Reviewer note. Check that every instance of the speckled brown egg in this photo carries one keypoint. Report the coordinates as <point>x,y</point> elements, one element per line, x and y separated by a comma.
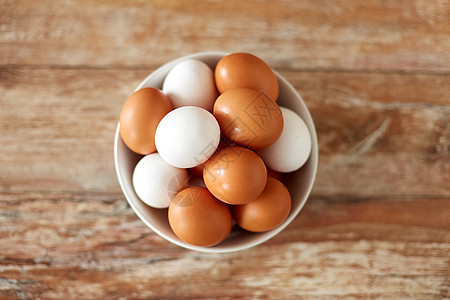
<point>267,211</point>
<point>244,70</point>
<point>235,175</point>
<point>197,218</point>
<point>249,117</point>
<point>140,116</point>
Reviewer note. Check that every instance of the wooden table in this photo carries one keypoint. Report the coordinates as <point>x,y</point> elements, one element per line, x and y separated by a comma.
<point>375,75</point>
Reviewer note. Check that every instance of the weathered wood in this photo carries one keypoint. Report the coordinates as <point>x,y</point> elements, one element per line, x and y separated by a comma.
<point>380,134</point>
<point>375,75</point>
<point>371,35</point>
<point>395,128</point>
<point>90,245</point>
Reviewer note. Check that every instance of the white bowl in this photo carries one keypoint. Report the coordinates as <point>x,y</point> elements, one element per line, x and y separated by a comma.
<point>299,183</point>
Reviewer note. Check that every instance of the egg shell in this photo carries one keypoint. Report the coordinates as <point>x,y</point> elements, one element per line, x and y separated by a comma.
<point>235,175</point>
<point>267,211</point>
<point>187,136</point>
<point>197,218</point>
<point>140,116</point>
<point>248,117</point>
<point>191,83</point>
<point>244,70</point>
<point>290,152</point>
<point>156,182</point>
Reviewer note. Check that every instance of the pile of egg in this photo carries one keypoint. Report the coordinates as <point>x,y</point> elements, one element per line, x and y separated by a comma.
<point>214,144</point>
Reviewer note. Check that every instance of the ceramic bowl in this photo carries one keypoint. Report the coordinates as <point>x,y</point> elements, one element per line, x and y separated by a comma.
<point>299,183</point>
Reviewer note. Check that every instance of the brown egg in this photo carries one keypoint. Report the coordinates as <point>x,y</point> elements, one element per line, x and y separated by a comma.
<point>244,70</point>
<point>197,218</point>
<point>140,116</point>
<point>249,118</point>
<point>235,175</point>
<point>267,211</point>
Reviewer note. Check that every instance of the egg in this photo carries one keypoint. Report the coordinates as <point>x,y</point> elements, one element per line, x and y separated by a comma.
<point>267,211</point>
<point>139,118</point>
<point>187,136</point>
<point>244,70</point>
<point>191,83</point>
<point>235,175</point>
<point>156,182</point>
<point>292,149</point>
<point>248,117</point>
<point>197,218</point>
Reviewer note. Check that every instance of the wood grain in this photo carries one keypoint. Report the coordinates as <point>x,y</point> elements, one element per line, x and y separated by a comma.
<point>371,35</point>
<point>402,140</point>
<point>375,76</point>
<point>94,247</point>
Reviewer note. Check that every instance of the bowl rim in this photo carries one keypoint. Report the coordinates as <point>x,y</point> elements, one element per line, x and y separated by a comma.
<point>266,235</point>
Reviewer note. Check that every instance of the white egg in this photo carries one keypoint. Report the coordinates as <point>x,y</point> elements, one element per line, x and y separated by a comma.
<point>187,136</point>
<point>156,182</point>
<point>191,82</point>
<point>292,149</point>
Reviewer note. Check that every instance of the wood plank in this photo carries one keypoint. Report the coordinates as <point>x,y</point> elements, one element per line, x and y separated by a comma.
<point>377,89</point>
<point>375,75</point>
<point>371,35</point>
<point>389,127</point>
<point>94,247</point>
<point>55,123</point>
<point>378,134</point>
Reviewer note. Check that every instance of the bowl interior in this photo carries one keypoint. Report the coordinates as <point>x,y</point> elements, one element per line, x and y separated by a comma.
<point>299,182</point>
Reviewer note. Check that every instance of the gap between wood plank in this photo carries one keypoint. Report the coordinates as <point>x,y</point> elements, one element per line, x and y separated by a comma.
<point>111,197</point>
<point>301,70</point>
